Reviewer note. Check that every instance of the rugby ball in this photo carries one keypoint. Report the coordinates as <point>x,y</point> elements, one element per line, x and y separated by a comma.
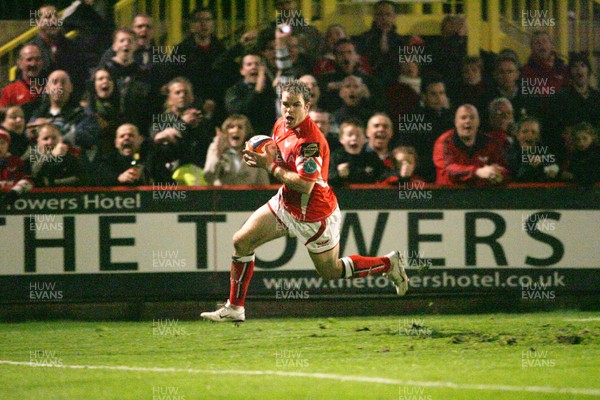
<point>258,143</point>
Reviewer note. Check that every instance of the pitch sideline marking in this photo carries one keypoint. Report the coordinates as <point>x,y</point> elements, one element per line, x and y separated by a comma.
<point>346,378</point>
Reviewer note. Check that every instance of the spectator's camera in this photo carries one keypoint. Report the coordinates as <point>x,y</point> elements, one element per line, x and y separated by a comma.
<point>285,28</point>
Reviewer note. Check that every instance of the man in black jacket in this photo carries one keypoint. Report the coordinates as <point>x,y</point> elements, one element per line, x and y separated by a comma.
<point>201,48</point>
<point>253,95</point>
<point>381,44</point>
<point>76,123</point>
<point>422,127</point>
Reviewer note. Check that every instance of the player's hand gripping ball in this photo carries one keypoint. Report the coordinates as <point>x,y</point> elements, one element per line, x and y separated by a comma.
<point>259,143</point>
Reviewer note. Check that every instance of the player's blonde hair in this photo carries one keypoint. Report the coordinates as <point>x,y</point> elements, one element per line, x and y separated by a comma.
<point>295,87</point>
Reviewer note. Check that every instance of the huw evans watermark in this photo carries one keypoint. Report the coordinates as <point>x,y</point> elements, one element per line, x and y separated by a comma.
<point>537,155</point>
<point>415,259</point>
<point>539,221</point>
<point>290,290</point>
<point>536,87</point>
<point>45,223</point>
<point>47,18</point>
<point>167,393</point>
<point>167,259</point>
<point>414,327</point>
<point>167,327</point>
<point>167,55</point>
<point>45,291</point>
<point>290,358</point>
<point>413,393</point>
<point>414,54</point>
<point>533,358</point>
<point>537,291</point>
<point>414,191</point>
<point>44,358</point>
<point>160,122</point>
<point>413,122</point>
<point>168,192</point>
<point>291,18</point>
<point>537,19</point>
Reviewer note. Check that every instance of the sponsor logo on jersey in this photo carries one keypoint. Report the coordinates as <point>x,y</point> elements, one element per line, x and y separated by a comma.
<point>310,149</point>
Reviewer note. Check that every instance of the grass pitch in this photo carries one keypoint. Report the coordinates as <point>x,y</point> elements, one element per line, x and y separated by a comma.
<point>517,356</point>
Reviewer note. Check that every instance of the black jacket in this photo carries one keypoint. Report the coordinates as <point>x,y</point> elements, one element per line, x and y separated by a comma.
<point>241,98</point>
<point>365,167</point>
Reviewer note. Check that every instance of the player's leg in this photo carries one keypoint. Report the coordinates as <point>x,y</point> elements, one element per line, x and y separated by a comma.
<point>330,266</point>
<point>260,228</point>
<point>327,263</point>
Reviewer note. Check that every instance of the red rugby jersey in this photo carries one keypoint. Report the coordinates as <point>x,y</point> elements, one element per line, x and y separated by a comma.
<point>304,150</point>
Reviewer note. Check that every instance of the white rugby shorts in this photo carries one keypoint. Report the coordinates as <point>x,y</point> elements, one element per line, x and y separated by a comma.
<point>318,237</point>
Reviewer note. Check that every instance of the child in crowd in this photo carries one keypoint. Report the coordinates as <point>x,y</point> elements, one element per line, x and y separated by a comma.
<point>584,166</point>
<point>13,177</point>
<point>52,162</point>
<point>405,164</point>
<point>352,163</point>
<point>12,119</point>
<point>529,159</point>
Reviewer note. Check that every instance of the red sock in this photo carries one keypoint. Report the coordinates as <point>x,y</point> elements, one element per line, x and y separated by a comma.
<point>358,266</point>
<point>242,269</point>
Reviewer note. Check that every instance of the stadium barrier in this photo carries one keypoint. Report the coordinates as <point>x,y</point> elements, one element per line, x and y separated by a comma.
<point>167,243</point>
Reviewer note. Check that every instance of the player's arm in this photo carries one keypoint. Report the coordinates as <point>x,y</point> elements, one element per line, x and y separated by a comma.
<point>292,179</point>
<point>266,161</point>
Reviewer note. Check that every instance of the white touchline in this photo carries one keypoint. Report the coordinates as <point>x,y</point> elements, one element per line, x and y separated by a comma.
<point>346,378</point>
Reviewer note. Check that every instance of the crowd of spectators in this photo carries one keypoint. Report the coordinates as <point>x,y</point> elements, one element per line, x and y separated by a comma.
<point>127,111</point>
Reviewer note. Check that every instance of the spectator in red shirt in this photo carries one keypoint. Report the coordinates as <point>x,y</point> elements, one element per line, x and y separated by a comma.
<point>336,34</point>
<point>544,75</point>
<point>57,51</point>
<point>29,86</point>
<point>462,156</point>
<point>403,95</point>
